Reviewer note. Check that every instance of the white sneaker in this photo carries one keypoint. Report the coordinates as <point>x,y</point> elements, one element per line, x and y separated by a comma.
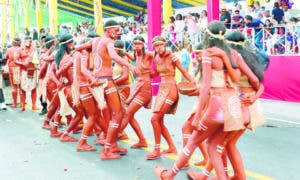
<point>3,106</point>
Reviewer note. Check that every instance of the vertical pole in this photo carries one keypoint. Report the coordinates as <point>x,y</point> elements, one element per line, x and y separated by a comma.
<point>167,10</point>
<point>39,18</point>
<point>26,14</point>
<point>3,22</point>
<point>11,19</point>
<point>98,21</point>
<point>154,29</point>
<point>213,10</point>
<point>53,21</point>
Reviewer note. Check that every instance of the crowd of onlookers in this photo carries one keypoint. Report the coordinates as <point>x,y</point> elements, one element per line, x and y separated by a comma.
<point>273,30</point>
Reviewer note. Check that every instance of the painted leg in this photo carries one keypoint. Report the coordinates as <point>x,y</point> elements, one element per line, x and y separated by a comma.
<point>155,154</point>
<point>111,148</point>
<point>83,146</point>
<point>203,150</point>
<point>87,128</point>
<point>14,91</point>
<point>23,99</point>
<point>215,150</point>
<point>165,132</point>
<point>137,129</point>
<point>53,131</point>
<point>73,124</point>
<point>207,129</point>
<point>33,100</point>
<point>236,158</point>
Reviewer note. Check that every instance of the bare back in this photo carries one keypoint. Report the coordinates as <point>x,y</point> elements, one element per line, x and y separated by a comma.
<point>102,61</point>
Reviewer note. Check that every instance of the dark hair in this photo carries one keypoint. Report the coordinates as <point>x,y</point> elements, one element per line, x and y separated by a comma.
<point>110,23</point>
<point>248,17</point>
<point>199,67</point>
<point>16,42</point>
<point>49,41</point>
<point>140,38</point>
<point>92,34</point>
<point>204,12</point>
<point>217,27</point>
<point>27,38</point>
<point>62,48</point>
<point>178,17</point>
<point>172,19</point>
<point>249,56</point>
<point>276,5</point>
<point>119,44</point>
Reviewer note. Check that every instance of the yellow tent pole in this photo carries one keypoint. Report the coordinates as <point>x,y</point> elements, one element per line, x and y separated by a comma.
<point>53,22</point>
<point>98,22</point>
<point>39,19</point>
<point>26,14</point>
<point>11,19</point>
<point>3,22</point>
<point>167,11</point>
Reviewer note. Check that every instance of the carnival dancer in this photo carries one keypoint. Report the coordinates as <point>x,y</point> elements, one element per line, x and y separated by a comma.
<point>50,81</point>
<point>103,71</point>
<point>249,93</point>
<point>167,98</point>
<point>85,80</point>
<point>215,92</point>
<point>65,64</point>
<point>43,65</point>
<point>91,47</point>
<point>193,90</point>
<point>28,73</point>
<point>121,79</point>
<point>12,55</point>
<point>142,91</point>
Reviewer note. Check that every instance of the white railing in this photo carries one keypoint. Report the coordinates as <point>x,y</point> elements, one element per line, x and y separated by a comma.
<point>277,40</point>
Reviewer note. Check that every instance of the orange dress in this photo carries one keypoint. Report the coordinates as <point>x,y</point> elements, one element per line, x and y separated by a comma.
<point>142,87</point>
<point>168,92</point>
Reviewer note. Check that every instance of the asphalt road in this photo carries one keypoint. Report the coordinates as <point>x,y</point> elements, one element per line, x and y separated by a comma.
<point>27,151</point>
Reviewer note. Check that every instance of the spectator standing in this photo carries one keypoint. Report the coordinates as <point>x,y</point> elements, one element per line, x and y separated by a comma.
<point>35,35</point>
<point>287,14</point>
<point>225,17</point>
<point>239,7</point>
<point>257,25</point>
<point>266,16</point>
<point>258,12</point>
<point>203,20</point>
<point>2,100</point>
<point>171,34</point>
<point>191,24</point>
<point>179,29</point>
<point>277,13</point>
<point>237,20</point>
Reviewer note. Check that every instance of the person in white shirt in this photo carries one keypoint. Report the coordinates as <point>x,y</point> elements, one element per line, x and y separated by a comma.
<point>179,29</point>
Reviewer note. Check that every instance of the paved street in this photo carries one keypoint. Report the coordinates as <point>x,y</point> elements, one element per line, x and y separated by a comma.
<point>27,151</point>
